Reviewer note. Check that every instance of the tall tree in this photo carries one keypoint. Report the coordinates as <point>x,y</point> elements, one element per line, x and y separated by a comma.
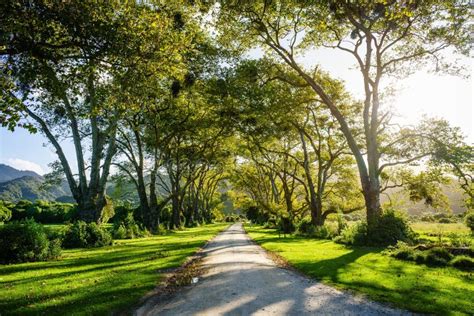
<point>69,65</point>
<point>384,37</point>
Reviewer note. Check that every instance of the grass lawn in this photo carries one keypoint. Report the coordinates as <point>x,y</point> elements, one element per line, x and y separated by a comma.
<point>366,270</point>
<point>97,281</point>
<point>440,232</point>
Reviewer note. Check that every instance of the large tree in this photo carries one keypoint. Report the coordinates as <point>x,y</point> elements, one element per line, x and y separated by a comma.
<point>383,37</point>
<point>66,69</point>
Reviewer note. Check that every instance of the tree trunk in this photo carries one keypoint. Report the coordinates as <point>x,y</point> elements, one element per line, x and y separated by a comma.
<point>175,216</point>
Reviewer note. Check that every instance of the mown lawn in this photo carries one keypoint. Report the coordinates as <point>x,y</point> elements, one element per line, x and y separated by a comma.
<point>366,270</point>
<point>97,281</point>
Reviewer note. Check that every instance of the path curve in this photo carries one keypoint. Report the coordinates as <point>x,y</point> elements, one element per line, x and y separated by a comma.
<point>240,279</point>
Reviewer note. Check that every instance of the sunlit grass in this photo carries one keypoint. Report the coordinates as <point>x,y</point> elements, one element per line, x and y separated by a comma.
<point>440,232</point>
<point>97,281</point>
<point>366,270</point>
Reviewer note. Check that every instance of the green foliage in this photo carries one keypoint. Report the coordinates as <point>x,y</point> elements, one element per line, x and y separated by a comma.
<point>353,234</point>
<point>23,241</point>
<point>285,225</point>
<point>127,228</point>
<point>463,263</point>
<point>256,215</point>
<point>119,232</point>
<point>5,213</point>
<point>437,256</point>
<point>305,227</point>
<point>403,251</point>
<point>81,234</point>
<point>392,227</point>
<point>232,218</point>
<point>469,220</point>
<point>44,211</point>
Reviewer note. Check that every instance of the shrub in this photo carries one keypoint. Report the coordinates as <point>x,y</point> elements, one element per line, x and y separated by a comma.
<point>26,241</point>
<point>44,211</point>
<point>229,219</point>
<point>404,252</point>
<point>459,240</point>
<point>437,256</point>
<point>5,213</point>
<point>391,227</point>
<point>305,227</point>
<point>353,235</point>
<point>119,232</point>
<point>469,220</point>
<point>81,234</point>
<point>462,262</point>
<point>285,225</point>
<point>128,229</point>
<point>324,232</point>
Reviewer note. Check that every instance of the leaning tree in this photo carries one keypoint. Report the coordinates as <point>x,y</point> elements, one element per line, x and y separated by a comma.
<point>384,38</point>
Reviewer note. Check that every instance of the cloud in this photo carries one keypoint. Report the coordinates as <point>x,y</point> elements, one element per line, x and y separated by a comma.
<point>25,165</point>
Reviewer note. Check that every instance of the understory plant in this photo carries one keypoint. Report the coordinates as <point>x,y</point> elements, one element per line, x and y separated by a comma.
<point>24,241</point>
<point>81,234</point>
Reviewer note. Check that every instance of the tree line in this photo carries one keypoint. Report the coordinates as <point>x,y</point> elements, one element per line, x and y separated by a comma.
<point>162,93</point>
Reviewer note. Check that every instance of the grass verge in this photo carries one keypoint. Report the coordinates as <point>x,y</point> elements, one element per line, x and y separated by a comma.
<point>97,281</point>
<point>366,270</point>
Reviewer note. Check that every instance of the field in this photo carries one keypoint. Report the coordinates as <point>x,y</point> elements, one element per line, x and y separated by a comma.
<point>439,231</point>
<point>368,271</point>
<point>97,281</point>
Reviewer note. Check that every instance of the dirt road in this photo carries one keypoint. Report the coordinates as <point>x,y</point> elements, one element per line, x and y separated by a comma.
<point>240,279</point>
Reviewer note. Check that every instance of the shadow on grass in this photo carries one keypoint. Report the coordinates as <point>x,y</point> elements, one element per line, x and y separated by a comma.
<point>95,281</point>
<point>366,270</point>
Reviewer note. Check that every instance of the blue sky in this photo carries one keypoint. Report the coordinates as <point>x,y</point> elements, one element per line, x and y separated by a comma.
<point>441,96</point>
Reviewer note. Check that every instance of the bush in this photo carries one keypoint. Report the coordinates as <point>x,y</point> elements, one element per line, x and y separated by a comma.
<point>229,219</point>
<point>459,240</point>
<point>5,213</point>
<point>44,211</point>
<point>462,262</point>
<point>353,235</point>
<point>26,241</point>
<point>81,234</point>
<point>437,256</point>
<point>404,252</point>
<point>469,220</point>
<point>391,228</point>
<point>285,225</point>
<point>119,232</point>
<point>305,227</point>
<point>128,229</point>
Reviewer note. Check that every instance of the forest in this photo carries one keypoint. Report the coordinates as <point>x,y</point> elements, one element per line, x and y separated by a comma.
<point>170,121</point>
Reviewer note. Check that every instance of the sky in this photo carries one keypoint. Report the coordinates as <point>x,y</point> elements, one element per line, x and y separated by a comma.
<point>423,93</point>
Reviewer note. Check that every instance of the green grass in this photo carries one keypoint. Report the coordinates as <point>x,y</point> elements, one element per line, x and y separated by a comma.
<point>97,281</point>
<point>382,278</point>
<point>440,231</point>
<point>443,228</point>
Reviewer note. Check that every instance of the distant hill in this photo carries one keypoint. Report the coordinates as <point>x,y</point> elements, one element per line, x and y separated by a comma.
<point>27,185</point>
<point>8,173</point>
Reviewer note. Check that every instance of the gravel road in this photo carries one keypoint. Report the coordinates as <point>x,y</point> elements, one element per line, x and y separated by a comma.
<point>240,279</point>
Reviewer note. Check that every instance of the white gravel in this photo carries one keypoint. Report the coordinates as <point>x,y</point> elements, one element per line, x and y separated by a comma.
<point>240,279</point>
